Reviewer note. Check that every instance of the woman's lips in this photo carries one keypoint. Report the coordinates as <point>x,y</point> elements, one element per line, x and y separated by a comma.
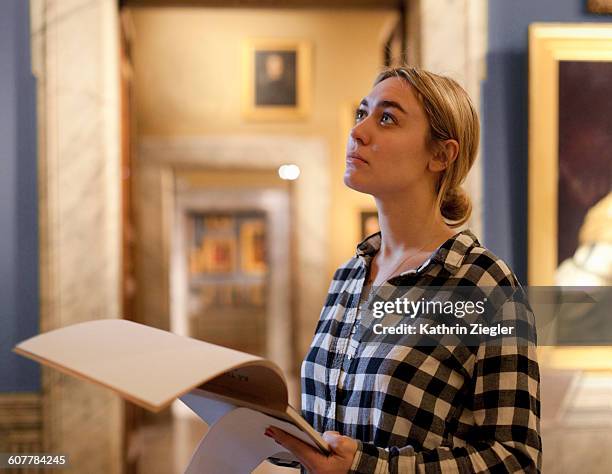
<point>355,158</point>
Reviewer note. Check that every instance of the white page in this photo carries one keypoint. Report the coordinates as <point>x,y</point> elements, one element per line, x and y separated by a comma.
<point>236,444</point>
<point>207,409</point>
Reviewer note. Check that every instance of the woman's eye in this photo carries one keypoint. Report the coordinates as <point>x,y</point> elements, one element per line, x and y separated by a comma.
<point>386,118</point>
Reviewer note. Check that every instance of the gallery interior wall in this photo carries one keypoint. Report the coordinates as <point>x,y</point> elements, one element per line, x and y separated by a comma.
<point>188,75</point>
<point>19,301</point>
<point>505,111</point>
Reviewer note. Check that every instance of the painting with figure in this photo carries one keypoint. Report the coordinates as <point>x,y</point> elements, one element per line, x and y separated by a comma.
<point>585,146</point>
<point>275,78</point>
<point>570,181</point>
<point>570,148</point>
<point>212,245</point>
<point>584,217</point>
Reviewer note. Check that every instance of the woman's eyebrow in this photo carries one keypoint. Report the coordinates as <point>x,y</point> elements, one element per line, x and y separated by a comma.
<point>385,103</point>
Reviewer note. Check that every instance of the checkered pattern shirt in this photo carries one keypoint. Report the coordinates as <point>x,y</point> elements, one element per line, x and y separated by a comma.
<point>425,408</point>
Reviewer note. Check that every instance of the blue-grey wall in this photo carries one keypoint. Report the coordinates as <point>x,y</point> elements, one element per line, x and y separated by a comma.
<point>19,301</point>
<point>504,118</point>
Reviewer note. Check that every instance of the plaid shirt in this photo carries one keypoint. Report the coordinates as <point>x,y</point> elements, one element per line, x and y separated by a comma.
<point>426,408</point>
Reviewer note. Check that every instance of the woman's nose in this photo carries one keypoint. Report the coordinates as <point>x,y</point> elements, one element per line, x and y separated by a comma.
<point>359,133</point>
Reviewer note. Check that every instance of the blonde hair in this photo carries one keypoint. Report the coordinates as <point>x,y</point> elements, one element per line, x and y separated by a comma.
<point>451,115</point>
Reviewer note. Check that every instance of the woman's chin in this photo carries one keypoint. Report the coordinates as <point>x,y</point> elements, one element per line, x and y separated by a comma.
<point>351,181</point>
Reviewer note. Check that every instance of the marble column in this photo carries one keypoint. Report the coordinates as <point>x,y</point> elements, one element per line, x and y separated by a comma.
<point>75,61</point>
<point>453,41</point>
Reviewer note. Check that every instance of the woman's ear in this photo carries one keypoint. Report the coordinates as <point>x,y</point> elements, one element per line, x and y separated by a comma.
<point>445,154</point>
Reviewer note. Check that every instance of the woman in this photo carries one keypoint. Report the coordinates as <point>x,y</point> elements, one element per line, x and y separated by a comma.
<point>416,409</point>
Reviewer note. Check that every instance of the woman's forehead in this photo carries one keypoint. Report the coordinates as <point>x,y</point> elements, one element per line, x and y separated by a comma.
<point>393,89</point>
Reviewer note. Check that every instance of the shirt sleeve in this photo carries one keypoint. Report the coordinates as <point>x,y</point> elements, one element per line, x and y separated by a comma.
<point>505,407</point>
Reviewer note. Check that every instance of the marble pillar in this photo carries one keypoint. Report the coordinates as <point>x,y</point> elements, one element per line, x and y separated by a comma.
<point>75,61</point>
<point>453,41</point>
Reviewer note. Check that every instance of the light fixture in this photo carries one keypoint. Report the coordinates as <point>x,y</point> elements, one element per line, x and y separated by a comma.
<point>289,172</point>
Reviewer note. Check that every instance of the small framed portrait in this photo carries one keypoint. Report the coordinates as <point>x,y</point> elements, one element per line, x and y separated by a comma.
<point>276,79</point>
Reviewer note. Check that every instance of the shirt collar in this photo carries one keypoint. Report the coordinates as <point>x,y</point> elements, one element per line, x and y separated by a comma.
<point>450,254</point>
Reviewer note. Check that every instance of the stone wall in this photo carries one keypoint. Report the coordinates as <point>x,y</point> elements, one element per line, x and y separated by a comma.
<point>75,60</point>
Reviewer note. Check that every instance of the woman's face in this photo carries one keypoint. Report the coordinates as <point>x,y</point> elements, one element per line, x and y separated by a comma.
<point>387,150</point>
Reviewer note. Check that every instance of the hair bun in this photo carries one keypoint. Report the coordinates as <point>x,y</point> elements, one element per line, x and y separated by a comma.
<point>456,206</point>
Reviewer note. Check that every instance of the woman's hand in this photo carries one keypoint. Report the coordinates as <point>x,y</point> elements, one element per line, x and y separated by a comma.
<point>339,461</point>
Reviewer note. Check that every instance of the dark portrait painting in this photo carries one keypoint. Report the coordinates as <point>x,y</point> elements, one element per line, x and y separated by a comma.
<point>585,145</point>
<point>275,78</point>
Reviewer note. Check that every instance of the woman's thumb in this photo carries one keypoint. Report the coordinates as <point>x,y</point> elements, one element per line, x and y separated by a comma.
<point>332,438</point>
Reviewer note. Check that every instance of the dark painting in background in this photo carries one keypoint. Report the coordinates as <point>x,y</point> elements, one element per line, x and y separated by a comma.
<point>276,81</point>
<point>275,78</point>
<point>585,145</point>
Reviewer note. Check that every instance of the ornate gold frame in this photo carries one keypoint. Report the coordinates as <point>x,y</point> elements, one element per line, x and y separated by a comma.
<point>550,43</point>
<point>303,81</point>
<point>599,6</point>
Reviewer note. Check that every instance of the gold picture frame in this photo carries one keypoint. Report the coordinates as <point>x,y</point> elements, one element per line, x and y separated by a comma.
<point>549,45</point>
<point>276,84</point>
<point>600,6</point>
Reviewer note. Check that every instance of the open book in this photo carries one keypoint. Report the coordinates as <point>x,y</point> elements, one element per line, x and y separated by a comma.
<point>237,394</point>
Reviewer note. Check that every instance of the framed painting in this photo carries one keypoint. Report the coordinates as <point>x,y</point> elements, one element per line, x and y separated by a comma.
<point>570,140</point>
<point>212,244</point>
<point>253,246</point>
<point>276,79</point>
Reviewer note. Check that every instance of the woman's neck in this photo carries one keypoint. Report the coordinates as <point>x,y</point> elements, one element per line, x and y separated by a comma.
<point>410,224</point>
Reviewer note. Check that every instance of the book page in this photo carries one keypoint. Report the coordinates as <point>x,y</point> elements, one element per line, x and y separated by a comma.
<point>251,384</point>
<point>145,365</point>
<point>207,409</point>
<point>236,443</point>
<point>211,407</point>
